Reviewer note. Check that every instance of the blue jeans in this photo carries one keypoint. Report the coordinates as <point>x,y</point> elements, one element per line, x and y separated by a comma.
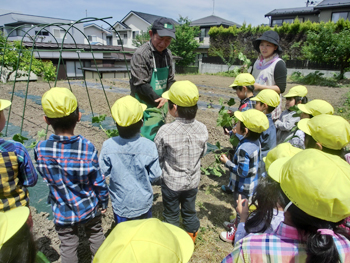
<point>171,203</point>
<point>119,219</point>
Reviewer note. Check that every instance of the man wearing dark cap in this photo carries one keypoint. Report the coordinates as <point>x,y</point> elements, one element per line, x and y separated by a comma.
<point>152,70</point>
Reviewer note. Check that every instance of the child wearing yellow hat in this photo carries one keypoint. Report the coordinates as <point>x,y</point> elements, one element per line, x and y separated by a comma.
<point>17,170</point>
<point>131,162</point>
<point>266,101</point>
<point>69,165</point>
<point>313,191</point>
<point>181,144</point>
<point>146,240</point>
<point>245,162</point>
<point>244,87</point>
<point>16,240</point>
<point>287,121</point>
<point>309,110</point>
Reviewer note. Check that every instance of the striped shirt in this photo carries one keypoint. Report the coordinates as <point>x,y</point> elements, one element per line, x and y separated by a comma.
<point>70,167</point>
<point>282,246</point>
<point>180,146</point>
<point>16,173</point>
<point>247,104</point>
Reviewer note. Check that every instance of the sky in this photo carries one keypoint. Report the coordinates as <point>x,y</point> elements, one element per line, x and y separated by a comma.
<point>249,11</point>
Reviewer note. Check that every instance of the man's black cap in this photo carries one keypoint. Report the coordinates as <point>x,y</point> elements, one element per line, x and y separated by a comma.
<point>165,27</point>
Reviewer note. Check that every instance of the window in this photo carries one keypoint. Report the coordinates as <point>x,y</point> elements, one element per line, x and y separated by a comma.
<point>120,42</point>
<point>58,33</point>
<point>280,22</point>
<point>125,36</point>
<point>109,40</point>
<point>204,33</point>
<point>92,38</point>
<point>73,69</point>
<point>42,33</point>
<point>339,15</point>
<point>135,33</point>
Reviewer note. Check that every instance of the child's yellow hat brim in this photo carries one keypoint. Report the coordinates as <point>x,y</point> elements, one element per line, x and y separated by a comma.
<point>280,151</point>
<point>254,120</point>
<point>268,96</point>
<point>4,104</point>
<point>127,110</point>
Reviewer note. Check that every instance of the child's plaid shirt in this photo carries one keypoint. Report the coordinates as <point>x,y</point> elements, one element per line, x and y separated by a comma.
<point>70,167</point>
<point>16,172</point>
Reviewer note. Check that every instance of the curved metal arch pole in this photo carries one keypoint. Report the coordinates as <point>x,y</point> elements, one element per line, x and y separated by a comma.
<point>93,56</point>
<point>14,82</point>
<point>86,87</point>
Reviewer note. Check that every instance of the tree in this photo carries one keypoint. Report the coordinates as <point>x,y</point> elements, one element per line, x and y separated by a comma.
<point>9,61</point>
<point>185,43</point>
<point>329,46</point>
<point>142,38</point>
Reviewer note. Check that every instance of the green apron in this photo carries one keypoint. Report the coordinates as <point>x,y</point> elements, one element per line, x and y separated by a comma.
<point>159,82</point>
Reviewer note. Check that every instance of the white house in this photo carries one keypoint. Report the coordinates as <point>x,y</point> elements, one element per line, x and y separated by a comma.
<point>131,25</point>
<point>97,35</point>
<point>44,29</point>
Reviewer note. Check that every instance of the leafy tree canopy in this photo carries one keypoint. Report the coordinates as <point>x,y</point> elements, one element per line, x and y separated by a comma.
<point>13,56</point>
<point>185,43</point>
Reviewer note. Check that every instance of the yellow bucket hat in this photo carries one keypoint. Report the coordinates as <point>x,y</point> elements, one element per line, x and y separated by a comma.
<point>316,107</point>
<point>11,221</point>
<point>268,96</point>
<point>183,93</point>
<point>243,79</point>
<point>147,241</point>
<point>127,111</point>
<point>296,91</point>
<point>330,131</point>
<point>253,119</point>
<point>4,104</point>
<point>58,102</point>
<point>316,182</point>
<point>280,151</point>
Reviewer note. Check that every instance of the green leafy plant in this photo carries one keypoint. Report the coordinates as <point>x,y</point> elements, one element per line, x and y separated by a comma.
<point>109,132</point>
<point>157,115</point>
<point>20,138</point>
<point>314,78</point>
<point>215,167</point>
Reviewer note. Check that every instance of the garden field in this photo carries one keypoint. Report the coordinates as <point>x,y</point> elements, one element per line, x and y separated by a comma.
<point>213,206</point>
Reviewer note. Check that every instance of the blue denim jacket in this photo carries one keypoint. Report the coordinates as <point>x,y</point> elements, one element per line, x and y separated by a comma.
<point>132,165</point>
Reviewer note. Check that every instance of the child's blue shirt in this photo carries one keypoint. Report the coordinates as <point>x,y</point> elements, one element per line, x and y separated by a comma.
<point>244,167</point>
<point>132,165</point>
<point>268,137</point>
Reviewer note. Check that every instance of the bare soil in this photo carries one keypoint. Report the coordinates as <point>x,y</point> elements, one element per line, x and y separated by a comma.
<point>213,206</point>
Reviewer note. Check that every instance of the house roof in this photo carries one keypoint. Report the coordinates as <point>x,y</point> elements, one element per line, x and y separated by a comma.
<point>20,19</point>
<point>46,45</point>
<point>293,11</point>
<point>326,4</point>
<point>97,26</point>
<point>148,18</point>
<point>213,21</point>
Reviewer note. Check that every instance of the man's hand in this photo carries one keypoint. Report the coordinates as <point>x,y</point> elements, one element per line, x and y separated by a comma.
<point>161,102</point>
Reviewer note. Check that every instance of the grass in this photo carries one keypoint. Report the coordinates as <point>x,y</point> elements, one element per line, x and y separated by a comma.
<point>344,111</point>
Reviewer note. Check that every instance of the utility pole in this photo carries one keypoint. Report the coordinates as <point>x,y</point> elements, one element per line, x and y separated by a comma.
<point>213,6</point>
<point>85,12</point>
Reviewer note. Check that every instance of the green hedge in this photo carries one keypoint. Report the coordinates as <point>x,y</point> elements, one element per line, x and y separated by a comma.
<point>292,36</point>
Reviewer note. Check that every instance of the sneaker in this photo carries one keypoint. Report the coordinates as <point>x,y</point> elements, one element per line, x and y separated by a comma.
<point>229,225</point>
<point>226,189</point>
<point>228,236</point>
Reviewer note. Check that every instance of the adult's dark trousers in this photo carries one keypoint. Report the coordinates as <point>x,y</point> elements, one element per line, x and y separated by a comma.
<point>172,200</point>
